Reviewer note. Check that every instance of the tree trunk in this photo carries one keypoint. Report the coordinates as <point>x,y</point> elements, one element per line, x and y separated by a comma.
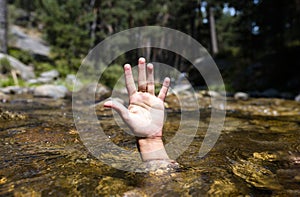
<point>213,33</point>
<point>3,26</point>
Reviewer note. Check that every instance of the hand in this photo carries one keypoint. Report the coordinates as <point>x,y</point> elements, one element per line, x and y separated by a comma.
<point>145,113</point>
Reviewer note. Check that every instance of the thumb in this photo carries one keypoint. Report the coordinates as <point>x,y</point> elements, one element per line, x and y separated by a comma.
<point>121,109</point>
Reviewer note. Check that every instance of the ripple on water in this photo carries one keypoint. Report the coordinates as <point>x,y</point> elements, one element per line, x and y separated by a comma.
<point>43,155</point>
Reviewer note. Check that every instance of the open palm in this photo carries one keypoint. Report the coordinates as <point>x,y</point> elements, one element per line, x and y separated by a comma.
<point>145,113</point>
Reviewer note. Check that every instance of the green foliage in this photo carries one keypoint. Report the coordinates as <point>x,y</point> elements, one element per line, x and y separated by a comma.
<point>9,81</point>
<point>4,82</point>
<point>40,67</point>
<point>72,28</point>
<point>111,75</point>
<point>23,56</point>
<point>5,66</point>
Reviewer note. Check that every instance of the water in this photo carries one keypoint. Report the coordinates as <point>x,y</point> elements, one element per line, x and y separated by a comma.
<point>257,154</point>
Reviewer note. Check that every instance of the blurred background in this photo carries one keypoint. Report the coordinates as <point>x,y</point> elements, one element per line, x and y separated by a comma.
<point>255,43</point>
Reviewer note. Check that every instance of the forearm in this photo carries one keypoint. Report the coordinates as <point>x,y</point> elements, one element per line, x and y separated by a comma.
<point>152,148</point>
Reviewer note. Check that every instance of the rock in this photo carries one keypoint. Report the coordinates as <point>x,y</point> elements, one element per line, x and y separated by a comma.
<point>180,88</point>
<point>297,98</point>
<point>4,98</point>
<point>32,81</point>
<point>29,43</point>
<point>93,92</point>
<point>53,74</point>
<point>14,90</point>
<point>241,96</point>
<point>25,72</point>
<point>44,80</point>
<point>71,81</point>
<point>210,93</point>
<point>52,91</point>
<point>270,93</point>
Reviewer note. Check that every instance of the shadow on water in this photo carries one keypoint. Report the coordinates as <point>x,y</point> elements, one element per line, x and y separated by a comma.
<point>42,155</point>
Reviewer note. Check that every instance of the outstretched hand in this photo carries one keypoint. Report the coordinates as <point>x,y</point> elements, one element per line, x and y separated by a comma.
<point>145,113</point>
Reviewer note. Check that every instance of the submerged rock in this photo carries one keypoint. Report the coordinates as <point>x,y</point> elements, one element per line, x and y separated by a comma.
<point>255,174</point>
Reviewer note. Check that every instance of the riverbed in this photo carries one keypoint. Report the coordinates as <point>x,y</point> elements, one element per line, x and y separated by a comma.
<point>257,153</point>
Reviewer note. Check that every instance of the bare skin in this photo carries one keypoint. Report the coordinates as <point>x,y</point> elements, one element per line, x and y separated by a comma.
<point>145,113</point>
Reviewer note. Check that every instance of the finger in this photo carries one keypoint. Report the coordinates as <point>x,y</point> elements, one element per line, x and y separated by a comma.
<point>121,109</point>
<point>150,79</point>
<point>164,89</point>
<point>142,83</point>
<point>131,89</point>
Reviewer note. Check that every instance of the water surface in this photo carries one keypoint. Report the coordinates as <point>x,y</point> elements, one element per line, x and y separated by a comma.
<point>257,154</point>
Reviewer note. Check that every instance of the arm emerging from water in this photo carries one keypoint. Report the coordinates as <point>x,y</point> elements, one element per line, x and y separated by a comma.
<point>145,113</point>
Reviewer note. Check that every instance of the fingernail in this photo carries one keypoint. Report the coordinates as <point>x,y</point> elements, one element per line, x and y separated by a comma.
<point>150,66</point>
<point>127,66</point>
<point>142,60</point>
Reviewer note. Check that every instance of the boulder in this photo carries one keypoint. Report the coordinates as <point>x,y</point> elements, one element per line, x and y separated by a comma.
<point>30,43</point>
<point>92,92</point>
<point>53,74</point>
<point>15,90</point>
<point>52,91</point>
<point>25,72</point>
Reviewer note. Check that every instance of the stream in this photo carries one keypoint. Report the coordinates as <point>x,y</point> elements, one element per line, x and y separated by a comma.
<point>257,153</point>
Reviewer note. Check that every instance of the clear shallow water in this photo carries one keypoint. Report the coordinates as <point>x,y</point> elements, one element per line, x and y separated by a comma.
<point>257,154</point>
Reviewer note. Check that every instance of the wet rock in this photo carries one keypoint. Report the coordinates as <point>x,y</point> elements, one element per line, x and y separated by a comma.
<point>134,193</point>
<point>241,96</point>
<point>255,174</point>
<point>223,187</point>
<point>297,98</point>
<point>25,72</point>
<point>52,91</point>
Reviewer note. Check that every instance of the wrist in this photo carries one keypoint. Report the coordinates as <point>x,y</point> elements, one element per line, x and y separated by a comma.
<point>152,148</point>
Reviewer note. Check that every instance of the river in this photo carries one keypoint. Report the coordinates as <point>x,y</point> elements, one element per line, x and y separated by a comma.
<point>257,153</point>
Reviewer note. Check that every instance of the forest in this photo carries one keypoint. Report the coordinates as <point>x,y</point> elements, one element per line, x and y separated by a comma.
<point>255,43</point>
